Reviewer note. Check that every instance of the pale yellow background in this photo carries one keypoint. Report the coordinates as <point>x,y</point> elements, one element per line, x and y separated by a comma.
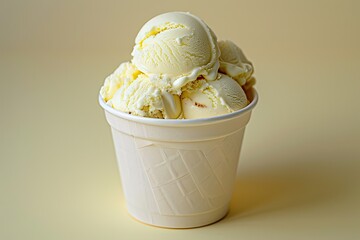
<point>299,168</point>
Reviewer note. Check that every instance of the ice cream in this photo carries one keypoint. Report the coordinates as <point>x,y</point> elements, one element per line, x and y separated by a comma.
<point>140,97</point>
<point>180,70</point>
<point>212,98</point>
<point>176,48</point>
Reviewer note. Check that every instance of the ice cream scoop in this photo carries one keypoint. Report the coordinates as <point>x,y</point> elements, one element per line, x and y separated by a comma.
<point>126,72</point>
<point>175,48</point>
<point>204,98</point>
<point>234,63</point>
<point>141,97</point>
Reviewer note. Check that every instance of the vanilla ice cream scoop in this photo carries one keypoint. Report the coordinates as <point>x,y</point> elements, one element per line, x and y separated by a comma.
<point>176,48</point>
<point>203,98</point>
<point>141,97</point>
<point>126,72</point>
<point>234,63</point>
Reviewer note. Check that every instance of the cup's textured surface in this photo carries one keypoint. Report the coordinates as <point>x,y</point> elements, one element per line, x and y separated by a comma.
<point>178,175</point>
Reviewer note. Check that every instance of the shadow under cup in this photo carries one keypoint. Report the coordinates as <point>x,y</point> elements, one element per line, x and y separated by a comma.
<point>178,173</point>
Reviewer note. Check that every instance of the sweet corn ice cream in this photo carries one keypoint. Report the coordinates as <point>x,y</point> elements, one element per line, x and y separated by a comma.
<point>180,70</point>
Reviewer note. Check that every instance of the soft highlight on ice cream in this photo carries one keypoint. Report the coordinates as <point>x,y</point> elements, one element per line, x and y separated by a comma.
<point>180,71</point>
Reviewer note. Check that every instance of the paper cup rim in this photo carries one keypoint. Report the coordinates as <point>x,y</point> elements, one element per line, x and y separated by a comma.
<point>180,122</point>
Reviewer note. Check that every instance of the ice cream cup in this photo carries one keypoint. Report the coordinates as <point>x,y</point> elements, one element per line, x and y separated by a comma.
<point>178,173</point>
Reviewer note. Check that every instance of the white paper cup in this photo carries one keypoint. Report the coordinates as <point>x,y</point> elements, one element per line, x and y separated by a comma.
<point>178,173</point>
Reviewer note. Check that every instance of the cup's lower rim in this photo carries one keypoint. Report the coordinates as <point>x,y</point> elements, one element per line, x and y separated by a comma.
<point>180,222</point>
<point>180,122</point>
